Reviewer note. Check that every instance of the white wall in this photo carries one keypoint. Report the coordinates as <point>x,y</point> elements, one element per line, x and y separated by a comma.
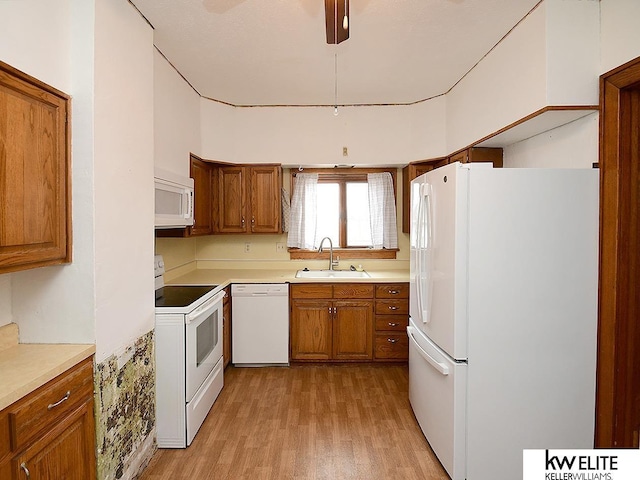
<point>56,304</point>
<point>5,300</point>
<point>123,176</point>
<point>573,51</point>
<point>36,38</point>
<point>550,58</point>
<point>574,145</point>
<point>218,127</point>
<point>389,135</point>
<point>505,86</point>
<point>176,118</point>
<point>620,35</point>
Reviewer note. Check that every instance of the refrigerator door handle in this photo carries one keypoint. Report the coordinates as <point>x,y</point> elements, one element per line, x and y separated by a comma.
<point>441,367</point>
<point>426,263</point>
<point>419,248</point>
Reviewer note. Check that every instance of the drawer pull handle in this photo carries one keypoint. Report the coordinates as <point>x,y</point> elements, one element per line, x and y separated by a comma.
<point>392,307</point>
<point>391,324</point>
<point>392,340</point>
<point>394,292</point>
<point>24,468</point>
<point>63,399</point>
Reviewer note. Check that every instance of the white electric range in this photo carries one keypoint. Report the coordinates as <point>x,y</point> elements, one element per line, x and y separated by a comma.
<point>189,365</point>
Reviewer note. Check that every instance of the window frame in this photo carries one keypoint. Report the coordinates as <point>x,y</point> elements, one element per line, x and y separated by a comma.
<point>342,176</point>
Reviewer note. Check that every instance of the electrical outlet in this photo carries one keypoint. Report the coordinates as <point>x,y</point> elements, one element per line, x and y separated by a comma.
<point>280,247</point>
<point>345,152</point>
<point>247,247</point>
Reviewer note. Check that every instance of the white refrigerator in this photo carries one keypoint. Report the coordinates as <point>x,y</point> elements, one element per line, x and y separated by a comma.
<point>503,314</point>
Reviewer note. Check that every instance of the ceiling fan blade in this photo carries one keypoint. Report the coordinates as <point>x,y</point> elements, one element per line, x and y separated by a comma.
<point>331,22</point>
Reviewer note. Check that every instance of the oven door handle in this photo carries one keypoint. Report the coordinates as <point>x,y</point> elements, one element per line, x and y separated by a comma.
<point>209,304</point>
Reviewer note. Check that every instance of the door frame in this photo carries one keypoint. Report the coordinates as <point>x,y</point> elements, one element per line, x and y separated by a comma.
<point>618,349</point>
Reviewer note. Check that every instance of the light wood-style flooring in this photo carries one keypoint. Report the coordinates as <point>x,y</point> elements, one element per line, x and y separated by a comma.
<point>306,422</point>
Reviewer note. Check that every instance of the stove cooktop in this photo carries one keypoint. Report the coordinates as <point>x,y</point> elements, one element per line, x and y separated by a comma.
<point>182,295</point>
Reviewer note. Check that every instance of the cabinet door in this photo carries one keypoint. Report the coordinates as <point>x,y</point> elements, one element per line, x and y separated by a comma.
<point>232,200</point>
<point>352,330</point>
<point>66,452</point>
<point>311,329</point>
<point>35,192</point>
<point>484,154</point>
<point>265,186</point>
<point>462,157</point>
<point>202,218</point>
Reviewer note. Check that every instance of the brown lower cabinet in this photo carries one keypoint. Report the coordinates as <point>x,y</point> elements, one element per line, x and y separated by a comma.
<point>392,318</point>
<point>226,327</point>
<point>331,322</point>
<point>50,433</point>
<point>340,322</point>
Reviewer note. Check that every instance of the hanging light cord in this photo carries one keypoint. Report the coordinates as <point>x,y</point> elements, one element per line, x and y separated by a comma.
<point>335,58</point>
<point>335,63</point>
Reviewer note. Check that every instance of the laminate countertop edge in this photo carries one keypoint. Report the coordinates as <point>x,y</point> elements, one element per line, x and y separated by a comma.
<point>224,277</point>
<point>25,367</point>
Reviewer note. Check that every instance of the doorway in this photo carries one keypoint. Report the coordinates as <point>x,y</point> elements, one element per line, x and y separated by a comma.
<point>618,374</point>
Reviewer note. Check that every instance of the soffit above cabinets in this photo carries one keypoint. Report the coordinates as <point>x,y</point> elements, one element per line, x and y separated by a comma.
<point>274,52</point>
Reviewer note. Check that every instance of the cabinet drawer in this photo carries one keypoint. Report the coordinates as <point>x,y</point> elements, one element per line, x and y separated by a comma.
<point>392,307</point>
<point>352,290</point>
<point>50,403</point>
<point>392,290</point>
<point>393,323</point>
<point>311,290</point>
<point>392,346</point>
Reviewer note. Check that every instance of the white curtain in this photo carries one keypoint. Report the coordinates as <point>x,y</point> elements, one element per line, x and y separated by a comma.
<point>302,224</point>
<point>382,210</point>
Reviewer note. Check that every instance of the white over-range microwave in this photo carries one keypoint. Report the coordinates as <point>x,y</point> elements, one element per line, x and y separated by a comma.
<point>173,200</point>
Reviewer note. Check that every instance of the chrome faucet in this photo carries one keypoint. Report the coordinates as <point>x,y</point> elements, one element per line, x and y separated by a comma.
<point>332,264</point>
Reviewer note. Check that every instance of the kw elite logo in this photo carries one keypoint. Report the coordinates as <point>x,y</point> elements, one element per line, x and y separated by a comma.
<point>588,467</point>
<point>580,464</point>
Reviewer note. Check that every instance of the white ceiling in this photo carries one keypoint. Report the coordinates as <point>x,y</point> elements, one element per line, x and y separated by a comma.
<point>274,52</point>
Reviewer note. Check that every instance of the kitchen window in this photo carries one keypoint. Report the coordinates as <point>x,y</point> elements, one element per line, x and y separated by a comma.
<point>356,209</point>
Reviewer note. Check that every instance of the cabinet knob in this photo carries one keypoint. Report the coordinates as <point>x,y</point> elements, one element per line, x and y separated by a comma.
<point>24,468</point>
<point>393,292</point>
<point>392,340</point>
<point>391,324</point>
<point>392,307</point>
<point>243,220</point>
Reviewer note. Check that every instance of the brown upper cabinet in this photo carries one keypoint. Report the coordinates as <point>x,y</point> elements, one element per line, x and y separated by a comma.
<point>410,172</point>
<point>202,174</point>
<point>35,173</point>
<point>413,170</point>
<point>248,199</point>
<point>232,198</point>
<point>478,154</point>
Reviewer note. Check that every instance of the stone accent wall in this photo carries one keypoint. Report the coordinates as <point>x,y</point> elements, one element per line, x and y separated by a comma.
<point>125,410</point>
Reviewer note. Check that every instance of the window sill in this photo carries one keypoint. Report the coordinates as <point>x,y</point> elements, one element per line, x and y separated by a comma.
<point>343,253</point>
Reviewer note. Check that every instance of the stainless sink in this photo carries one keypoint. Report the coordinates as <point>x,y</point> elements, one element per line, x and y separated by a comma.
<point>332,274</point>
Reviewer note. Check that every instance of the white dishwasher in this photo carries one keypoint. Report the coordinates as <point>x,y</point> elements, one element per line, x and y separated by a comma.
<point>260,324</point>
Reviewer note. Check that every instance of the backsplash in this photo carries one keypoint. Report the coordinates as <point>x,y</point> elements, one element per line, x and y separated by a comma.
<point>125,410</point>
